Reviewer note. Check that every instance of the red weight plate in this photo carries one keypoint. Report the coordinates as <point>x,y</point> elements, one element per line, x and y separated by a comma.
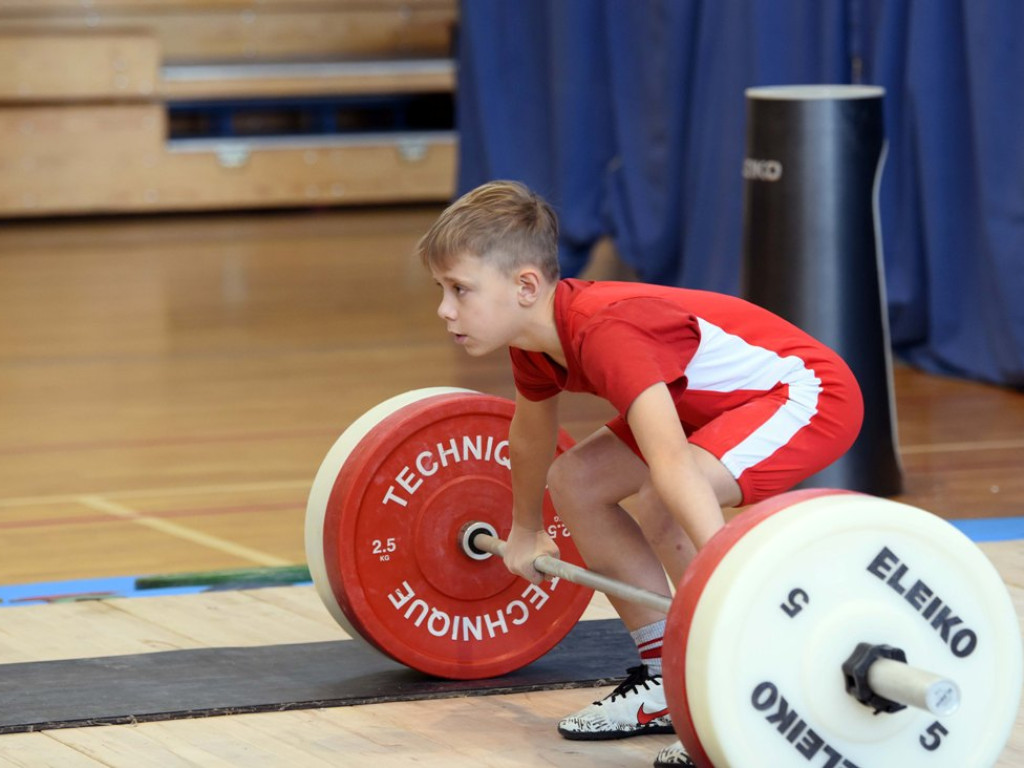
<point>323,485</point>
<point>392,552</point>
<point>688,595</point>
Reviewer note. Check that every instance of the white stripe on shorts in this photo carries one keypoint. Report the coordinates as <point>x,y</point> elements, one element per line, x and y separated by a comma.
<point>720,352</point>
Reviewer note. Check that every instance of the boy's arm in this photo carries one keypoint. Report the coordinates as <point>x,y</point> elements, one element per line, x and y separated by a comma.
<point>532,436</point>
<point>681,485</point>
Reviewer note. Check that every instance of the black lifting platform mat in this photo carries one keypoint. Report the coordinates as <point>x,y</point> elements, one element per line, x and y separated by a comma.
<point>173,685</point>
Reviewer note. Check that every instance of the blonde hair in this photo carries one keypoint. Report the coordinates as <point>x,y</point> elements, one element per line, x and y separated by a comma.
<point>501,221</point>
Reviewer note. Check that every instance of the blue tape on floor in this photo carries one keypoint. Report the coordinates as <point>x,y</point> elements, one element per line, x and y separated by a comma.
<point>125,586</point>
<point>81,589</point>
<point>992,528</point>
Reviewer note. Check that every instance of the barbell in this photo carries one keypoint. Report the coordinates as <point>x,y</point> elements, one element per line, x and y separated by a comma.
<point>819,627</point>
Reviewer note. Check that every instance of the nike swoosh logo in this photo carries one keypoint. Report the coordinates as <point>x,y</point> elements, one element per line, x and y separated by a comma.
<point>644,718</point>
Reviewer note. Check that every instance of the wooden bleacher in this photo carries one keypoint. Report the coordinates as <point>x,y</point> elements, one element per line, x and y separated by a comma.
<point>112,106</point>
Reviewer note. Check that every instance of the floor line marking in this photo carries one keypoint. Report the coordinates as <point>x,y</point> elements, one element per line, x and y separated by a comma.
<point>981,445</point>
<point>158,442</point>
<point>196,490</point>
<point>181,532</point>
<point>164,514</point>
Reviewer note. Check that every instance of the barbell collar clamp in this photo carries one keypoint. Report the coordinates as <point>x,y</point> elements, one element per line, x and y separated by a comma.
<point>879,677</point>
<point>467,538</point>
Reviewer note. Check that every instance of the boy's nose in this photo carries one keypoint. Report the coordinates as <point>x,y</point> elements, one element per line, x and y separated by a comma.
<point>444,310</point>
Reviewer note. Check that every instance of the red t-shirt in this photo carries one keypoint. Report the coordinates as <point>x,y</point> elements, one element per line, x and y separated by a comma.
<point>714,351</point>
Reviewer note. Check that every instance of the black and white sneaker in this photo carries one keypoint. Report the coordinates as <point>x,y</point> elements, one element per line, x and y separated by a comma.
<point>674,756</point>
<point>636,707</point>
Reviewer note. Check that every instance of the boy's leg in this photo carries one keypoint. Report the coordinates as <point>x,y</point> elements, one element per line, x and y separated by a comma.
<point>602,491</point>
<point>587,484</point>
<point>636,546</point>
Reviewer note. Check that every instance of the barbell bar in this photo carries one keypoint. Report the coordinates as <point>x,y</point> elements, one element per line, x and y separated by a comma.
<point>478,537</point>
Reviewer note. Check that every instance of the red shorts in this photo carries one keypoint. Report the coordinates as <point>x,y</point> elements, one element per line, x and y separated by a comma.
<point>771,443</point>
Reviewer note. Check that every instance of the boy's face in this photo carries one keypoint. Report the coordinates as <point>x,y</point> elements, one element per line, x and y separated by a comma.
<point>479,305</point>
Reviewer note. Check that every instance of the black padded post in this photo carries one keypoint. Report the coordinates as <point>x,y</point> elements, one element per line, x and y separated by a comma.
<point>812,250</point>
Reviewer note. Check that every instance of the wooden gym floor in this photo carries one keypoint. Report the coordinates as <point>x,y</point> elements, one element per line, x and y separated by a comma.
<point>168,387</point>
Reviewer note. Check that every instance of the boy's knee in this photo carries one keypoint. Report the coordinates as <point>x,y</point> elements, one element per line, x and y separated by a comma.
<point>569,480</point>
<point>562,473</point>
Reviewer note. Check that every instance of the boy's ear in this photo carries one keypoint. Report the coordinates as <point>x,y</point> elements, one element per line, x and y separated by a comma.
<point>529,284</point>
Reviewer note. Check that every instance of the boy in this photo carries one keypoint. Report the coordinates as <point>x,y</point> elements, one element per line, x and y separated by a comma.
<point>720,402</point>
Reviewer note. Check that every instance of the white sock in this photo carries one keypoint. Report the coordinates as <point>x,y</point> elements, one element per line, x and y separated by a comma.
<point>648,641</point>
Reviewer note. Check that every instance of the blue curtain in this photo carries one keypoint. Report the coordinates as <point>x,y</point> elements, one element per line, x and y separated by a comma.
<point>952,197</point>
<point>629,115</point>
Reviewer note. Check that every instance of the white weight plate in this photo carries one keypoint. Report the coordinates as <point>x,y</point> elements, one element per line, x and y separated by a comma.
<point>323,484</point>
<point>766,688</point>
